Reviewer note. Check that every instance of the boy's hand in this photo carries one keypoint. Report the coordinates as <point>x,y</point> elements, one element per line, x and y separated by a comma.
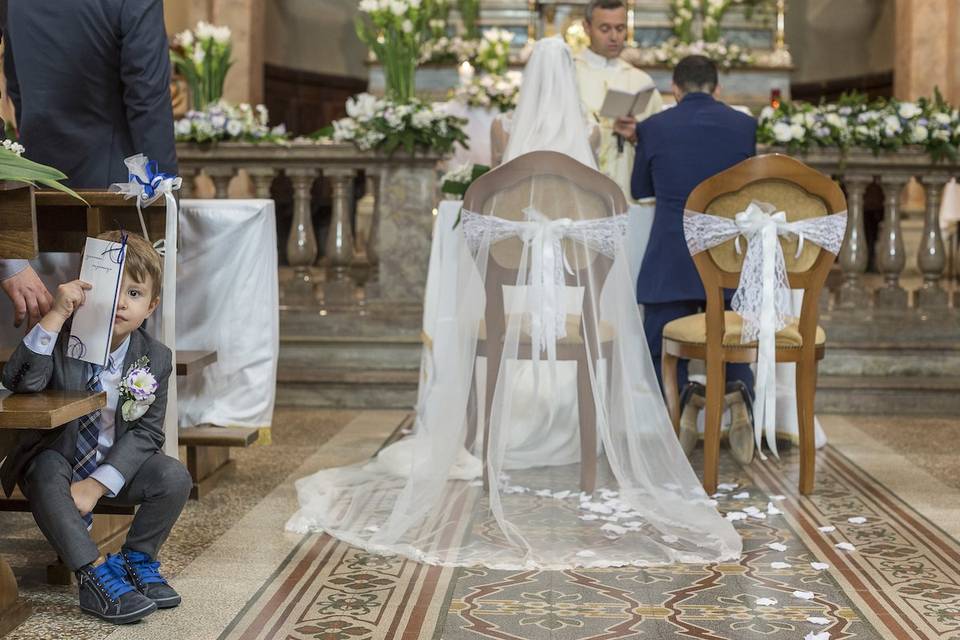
<point>86,493</point>
<point>70,296</point>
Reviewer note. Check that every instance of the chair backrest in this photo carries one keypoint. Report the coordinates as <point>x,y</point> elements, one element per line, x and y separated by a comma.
<point>790,186</point>
<point>559,187</point>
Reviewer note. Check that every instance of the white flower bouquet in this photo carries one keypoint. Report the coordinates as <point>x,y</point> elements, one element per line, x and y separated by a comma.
<point>385,125</point>
<point>202,56</point>
<point>137,390</point>
<point>493,51</point>
<point>492,91</point>
<point>456,181</point>
<point>221,121</point>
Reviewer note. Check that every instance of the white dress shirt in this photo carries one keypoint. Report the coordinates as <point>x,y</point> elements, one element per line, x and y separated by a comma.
<point>42,342</point>
<point>10,268</point>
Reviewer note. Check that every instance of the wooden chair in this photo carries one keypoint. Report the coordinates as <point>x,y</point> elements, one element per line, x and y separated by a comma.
<point>505,192</point>
<point>714,337</point>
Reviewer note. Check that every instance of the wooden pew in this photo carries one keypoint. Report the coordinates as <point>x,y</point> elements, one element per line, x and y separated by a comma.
<point>46,410</point>
<point>208,453</point>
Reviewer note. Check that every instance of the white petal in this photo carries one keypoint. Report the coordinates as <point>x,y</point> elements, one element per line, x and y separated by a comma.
<point>857,520</point>
<point>823,635</point>
<point>743,495</point>
<point>846,546</point>
<point>759,516</point>
<point>736,515</point>
<point>751,510</point>
<point>727,486</point>
<point>670,539</point>
<point>561,495</point>
<point>719,495</point>
<point>818,620</point>
<point>772,510</point>
<point>614,529</point>
<point>586,553</point>
<point>589,516</point>
<point>827,529</point>
<point>372,528</point>
<point>819,566</point>
<point>766,602</point>
<point>804,595</point>
<point>776,546</point>
<point>778,498</point>
<point>780,565</point>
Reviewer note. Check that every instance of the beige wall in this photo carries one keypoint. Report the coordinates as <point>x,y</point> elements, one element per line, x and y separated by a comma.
<point>314,35</point>
<point>832,39</point>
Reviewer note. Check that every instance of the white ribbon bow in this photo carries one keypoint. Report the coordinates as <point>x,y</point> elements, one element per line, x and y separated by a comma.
<point>146,184</point>
<point>543,238</point>
<point>763,297</point>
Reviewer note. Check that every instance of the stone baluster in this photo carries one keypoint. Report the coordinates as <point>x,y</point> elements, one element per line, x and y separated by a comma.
<point>373,238</point>
<point>221,177</point>
<point>891,256</point>
<point>262,178</point>
<point>932,256</point>
<point>187,175</point>
<point>854,254</point>
<point>302,242</point>
<point>339,291</point>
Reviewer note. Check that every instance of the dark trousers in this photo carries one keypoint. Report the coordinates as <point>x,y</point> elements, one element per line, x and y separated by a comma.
<point>657,315</point>
<point>161,487</point>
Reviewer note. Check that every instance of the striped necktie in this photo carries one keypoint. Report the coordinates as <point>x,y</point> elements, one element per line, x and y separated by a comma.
<point>85,459</point>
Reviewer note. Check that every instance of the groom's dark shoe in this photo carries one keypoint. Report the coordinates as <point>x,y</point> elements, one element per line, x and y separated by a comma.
<point>144,573</point>
<point>106,593</point>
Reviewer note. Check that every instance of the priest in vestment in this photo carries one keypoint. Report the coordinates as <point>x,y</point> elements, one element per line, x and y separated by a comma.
<point>600,68</point>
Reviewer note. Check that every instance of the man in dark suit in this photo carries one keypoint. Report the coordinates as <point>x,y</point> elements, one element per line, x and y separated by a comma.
<point>677,149</point>
<point>90,81</point>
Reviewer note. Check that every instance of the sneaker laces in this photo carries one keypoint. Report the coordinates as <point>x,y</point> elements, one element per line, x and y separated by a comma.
<point>147,570</point>
<point>112,576</point>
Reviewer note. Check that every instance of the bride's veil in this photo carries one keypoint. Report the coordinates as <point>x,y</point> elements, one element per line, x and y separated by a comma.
<point>549,115</point>
<point>537,270</point>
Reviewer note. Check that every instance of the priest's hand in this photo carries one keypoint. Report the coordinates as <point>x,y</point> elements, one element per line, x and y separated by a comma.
<point>29,295</point>
<point>626,127</point>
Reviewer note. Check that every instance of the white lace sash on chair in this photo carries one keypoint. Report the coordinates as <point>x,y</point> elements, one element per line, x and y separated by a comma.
<point>763,294</point>
<point>543,238</point>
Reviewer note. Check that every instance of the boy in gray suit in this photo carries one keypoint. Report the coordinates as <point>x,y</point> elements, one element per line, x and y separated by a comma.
<point>114,454</point>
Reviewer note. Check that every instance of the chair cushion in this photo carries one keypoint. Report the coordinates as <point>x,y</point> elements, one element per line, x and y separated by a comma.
<point>572,324</point>
<point>693,330</point>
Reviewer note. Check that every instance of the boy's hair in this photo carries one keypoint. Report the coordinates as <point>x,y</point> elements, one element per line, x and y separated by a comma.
<point>142,260</point>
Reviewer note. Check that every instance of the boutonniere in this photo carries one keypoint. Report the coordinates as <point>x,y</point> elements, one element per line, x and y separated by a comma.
<point>137,389</point>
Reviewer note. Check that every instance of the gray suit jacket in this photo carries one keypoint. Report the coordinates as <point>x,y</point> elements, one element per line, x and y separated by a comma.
<point>134,442</point>
<point>90,80</point>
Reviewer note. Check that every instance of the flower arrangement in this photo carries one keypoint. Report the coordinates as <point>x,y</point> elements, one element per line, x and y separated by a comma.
<point>395,31</point>
<point>493,51</point>
<point>16,168</point>
<point>385,125</point>
<point>672,50</point>
<point>491,90</point>
<point>221,121</point>
<point>443,49</point>
<point>202,56</point>
<point>855,121</point>
<point>684,15</point>
<point>137,390</point>
<point>456,181</point>
<point>469,14</point>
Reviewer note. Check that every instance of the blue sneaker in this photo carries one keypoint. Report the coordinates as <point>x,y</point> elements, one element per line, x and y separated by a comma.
<point>106,593</point>
<point>144,574</point>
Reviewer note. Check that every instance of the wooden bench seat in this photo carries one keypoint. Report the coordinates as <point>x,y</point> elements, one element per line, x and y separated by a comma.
<point>189,361</point>
<point>208,453</point>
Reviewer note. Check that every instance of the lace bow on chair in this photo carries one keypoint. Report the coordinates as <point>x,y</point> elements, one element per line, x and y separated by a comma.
<point>543,240</point>
<point>763,297</point>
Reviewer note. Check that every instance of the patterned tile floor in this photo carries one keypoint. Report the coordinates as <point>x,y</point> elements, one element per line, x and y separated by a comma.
<point>902,580</point>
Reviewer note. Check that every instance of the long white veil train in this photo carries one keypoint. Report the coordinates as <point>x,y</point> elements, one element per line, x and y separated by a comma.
<point>530,231</point>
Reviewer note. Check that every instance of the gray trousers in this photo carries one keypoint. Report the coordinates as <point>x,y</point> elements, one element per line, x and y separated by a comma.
<point>161,487</point>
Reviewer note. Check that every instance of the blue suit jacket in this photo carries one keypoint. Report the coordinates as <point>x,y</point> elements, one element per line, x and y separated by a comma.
<point>90,80</point>
<point>678,149</point>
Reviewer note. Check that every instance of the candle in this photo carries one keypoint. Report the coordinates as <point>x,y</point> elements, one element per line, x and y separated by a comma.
<point>466,72</point>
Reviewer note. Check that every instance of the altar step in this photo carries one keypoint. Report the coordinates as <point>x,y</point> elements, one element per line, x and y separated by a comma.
<point>888,395</point>
<point>348,389</point>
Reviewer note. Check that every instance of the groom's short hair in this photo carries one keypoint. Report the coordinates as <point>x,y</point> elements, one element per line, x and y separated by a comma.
<point>696,74</point>
<point>602,4</point>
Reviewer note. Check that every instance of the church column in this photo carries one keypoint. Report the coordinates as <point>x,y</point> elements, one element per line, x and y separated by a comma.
<point>927,44</point>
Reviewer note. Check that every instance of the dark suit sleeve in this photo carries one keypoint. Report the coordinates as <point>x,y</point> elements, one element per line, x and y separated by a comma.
<point>10,74</point>
<point>641,184</point>
<point>144,437</point>
<point>751,127</point>
<point>26,371</point>
<point>145,72</point>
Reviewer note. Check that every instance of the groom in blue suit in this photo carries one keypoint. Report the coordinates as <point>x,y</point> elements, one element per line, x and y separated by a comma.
<point>677,149</point>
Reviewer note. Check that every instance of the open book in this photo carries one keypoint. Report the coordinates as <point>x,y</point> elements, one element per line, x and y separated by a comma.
<point>617,103</point>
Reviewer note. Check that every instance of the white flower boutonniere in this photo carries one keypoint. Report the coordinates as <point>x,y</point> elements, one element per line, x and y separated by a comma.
<point>137,389</point>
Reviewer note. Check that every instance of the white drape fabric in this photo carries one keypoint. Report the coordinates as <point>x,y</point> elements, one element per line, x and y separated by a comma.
<point>763,297</point>
<point>549,115</point>
<point>648,507</point>
<point>228,302</point>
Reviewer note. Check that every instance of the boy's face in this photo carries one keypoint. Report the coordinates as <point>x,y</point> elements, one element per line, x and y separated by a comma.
<point>134,305</point>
